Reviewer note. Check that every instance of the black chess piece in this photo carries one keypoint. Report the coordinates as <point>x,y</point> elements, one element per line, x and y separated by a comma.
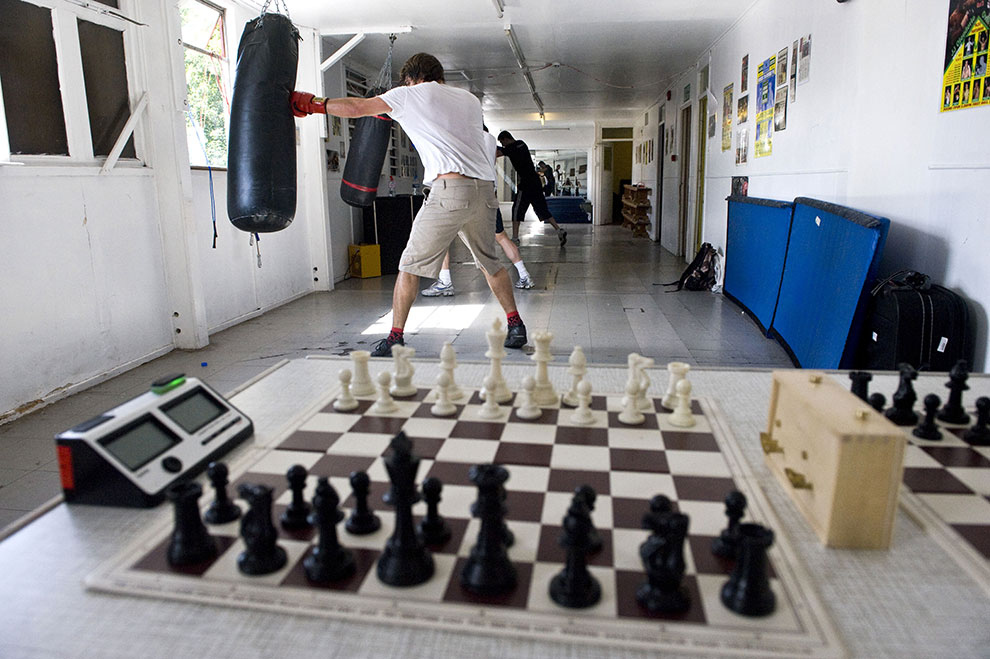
<point>296,516</point>
<point>860,384</point>
<point>488,570</point>
<point>928,429</point>
<point>190,543</point>
<point>222,510</point>
<point>262,554</point>
<point>362,520</point>
<point>328,561</point>
<point>507,534</point>
<point>433,527</point>
<point>979,435</point>
<point>727,543</point>
<point>405,560</point>
<point>588,495</point>
<point>878,401</point>
<point>574,586</point>
<point>902,412</point>
<point>663,557</point>
<point>747,592</point>
<point>953,412</point>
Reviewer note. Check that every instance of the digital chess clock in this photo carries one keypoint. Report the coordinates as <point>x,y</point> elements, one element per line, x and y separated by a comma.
<point>129,455</point>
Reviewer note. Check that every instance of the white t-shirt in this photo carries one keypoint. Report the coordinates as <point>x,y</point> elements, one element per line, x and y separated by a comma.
<point>444,124</point>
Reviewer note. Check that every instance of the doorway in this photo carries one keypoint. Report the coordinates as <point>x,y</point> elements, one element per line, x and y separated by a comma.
<point>683,194</point>
<point>658,213</point>
<point>699,200</point>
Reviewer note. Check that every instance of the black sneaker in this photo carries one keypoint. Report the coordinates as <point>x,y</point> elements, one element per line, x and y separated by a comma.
<point>384,349</point>
<point>562,234</point>
<point>515,337</point>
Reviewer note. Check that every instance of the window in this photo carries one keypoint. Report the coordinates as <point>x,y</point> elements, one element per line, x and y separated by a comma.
<point>204,37</point>
<point>105,76</point>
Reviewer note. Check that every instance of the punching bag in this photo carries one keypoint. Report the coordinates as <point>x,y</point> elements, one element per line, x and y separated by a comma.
<point>261,159</point>
<point>363,166</point>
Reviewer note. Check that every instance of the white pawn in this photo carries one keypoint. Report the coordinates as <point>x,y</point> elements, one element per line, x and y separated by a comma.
<point>645,404</point>
<point>681,416</point>
<point>402,384</point>
<point>443,406</point>
<point>490,410</point>
<point>448,362</point>
<point>528,409</point>
<point>678,371</point>
<point>578,367</point>
<point>362,384</point>
<point>630,414</point>
<point>384,404</point>
<point>345,401</point>
<point>582,415</point>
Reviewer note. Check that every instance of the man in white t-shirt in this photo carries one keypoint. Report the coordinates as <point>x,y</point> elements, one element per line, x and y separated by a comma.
<point>445,125</point>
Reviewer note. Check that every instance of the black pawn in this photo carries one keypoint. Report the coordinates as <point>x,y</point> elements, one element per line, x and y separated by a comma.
<point>362,520</point>
<point>663,558</point>
<point>405,560</point>
<point>928,429</point>
<point>903,400</point>
<point>979,435</point>
<point>878,402</point>
<point>261,555</point>
<point>296,516</point>
<point>575,587</point>
<point>487,570</point>
<point>727,543</point>
<point>433,527</point>
<point>222,510</point>
<point>587,494</point>
<point>747,592</point>
<point>953,411</point>
<point>860,384</point>
<point>328,561</point>
<point>191,543</point>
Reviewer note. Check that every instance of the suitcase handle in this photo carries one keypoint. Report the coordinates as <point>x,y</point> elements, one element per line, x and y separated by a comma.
<point>909,278</point>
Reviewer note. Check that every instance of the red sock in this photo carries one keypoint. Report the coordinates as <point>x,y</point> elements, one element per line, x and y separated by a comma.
<point>512,319</point>
<point>395,335</point>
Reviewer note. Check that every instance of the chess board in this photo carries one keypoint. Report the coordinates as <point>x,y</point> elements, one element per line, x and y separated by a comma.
<point>547,458</point>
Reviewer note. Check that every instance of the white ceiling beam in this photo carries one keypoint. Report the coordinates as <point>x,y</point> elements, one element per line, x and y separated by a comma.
<point>342,51</point>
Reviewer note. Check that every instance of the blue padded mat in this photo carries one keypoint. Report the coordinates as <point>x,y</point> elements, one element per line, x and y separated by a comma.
<point>832,259</point>
<point>755,248</point>
<point>567,210</point>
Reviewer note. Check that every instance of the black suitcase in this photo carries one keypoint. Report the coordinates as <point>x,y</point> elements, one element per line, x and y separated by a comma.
<point>912,321</point>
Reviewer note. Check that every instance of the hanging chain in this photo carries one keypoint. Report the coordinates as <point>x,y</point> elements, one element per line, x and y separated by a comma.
<point>285,8</point>
<point>384,81</point>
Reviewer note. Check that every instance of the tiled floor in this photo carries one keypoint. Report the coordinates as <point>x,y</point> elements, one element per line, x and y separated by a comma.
<point>602,291</point>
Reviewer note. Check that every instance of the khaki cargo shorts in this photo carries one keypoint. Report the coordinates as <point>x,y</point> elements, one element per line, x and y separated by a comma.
<point>464,207</point>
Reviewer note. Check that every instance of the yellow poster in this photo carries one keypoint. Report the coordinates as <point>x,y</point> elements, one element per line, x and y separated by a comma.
<point>965,83</point>
<point>727,117</point>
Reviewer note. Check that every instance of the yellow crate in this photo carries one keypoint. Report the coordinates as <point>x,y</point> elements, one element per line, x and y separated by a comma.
<point>365,260</point>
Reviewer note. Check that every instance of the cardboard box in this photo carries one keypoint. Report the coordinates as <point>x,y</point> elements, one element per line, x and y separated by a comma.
<point>365,261</point>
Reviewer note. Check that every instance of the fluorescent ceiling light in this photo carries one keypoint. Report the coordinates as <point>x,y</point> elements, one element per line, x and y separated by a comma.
<point>514,45</point>
<point>371,29</point>
<point>499,7</point>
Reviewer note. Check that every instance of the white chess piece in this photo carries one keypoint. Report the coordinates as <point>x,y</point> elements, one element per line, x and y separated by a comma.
<point>578,368</point>
<point>528,409</point>
<point>645,404</point>
<point>361,385</point>
<point>448,362</point>
<point>345,401</point>
<point>496,352</point>
<point>630,414</point>
<point>681,416</point>
<point>384,404</point>
<point>443,406</point>
<point>490,410</point>
<point>678,371</point>
<point>632,363</point>
<point>582,415</point>
<point>402,382</point>
<point>544,395</point>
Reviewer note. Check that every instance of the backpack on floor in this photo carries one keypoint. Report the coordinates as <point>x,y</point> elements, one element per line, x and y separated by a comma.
<point>700,275</point>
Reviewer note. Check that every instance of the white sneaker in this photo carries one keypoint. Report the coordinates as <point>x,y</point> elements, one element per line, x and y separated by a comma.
<point>525,282</point>
<point>439,288</point>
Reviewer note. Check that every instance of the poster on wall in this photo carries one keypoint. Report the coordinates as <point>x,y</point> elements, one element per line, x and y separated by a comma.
<point>742,145</point>
<point>727,117</point>
<point>794,58</point>
<point>782,68</point>
<point>687,92</point>
<point>965,83</point>
<point>780,110</point>
<point>766,79</point>
<point>804,60</point>
<point>744,84</point>
<point>743,112</point>
<point>740,186</point>
<point>711,126</point>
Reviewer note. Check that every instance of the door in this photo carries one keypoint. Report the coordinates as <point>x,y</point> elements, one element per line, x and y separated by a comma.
<point>658,206</point>
<point>685,176</point>
<point>699,199</point>
<point>603,208</point>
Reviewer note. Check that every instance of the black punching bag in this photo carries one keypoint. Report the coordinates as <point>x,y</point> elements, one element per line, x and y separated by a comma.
<point>363,166</point>
<point>261,160</point>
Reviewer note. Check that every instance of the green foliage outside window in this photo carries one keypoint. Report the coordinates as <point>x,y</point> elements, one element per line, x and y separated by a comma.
<point>206,89</point>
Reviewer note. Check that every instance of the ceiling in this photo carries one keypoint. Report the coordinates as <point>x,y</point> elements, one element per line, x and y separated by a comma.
<point>589,59</point>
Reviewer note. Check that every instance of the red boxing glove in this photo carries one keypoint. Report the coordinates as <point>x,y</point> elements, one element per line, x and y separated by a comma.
<point>304,103</point>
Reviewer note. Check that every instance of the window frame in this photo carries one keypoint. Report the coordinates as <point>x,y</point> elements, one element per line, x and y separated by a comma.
<point>72,84</point>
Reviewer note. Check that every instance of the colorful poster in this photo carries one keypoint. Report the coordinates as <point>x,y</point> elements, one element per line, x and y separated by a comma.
<point>804,60</point>
<point>727,117</point>
<point>965,83</point>
<point>782,68</point>
<point>766,78</point>
<point>742,146</point>
<point>744,85</point>
<point>794,57</point>
<point>780,110</point>
<point>743,111</point>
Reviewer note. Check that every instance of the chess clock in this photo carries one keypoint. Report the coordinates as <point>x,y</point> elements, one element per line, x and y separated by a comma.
<point>129,455</point>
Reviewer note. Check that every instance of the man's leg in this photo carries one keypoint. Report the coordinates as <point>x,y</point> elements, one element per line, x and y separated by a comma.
<point>501,286</point>
<point>512,252</point>
<point>403,295</point>
<point>443,285</point>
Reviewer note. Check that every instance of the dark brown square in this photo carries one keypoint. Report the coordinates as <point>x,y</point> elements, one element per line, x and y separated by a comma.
<point>549,550</point>
<point>957,456</point>
<point>977,535</point>
<point>702,488</point>
<point>277,482</point>
<point>516,598</point>
<point>375,494</point>
<point>423,412</point>
<point>426,447</point>
<point>599,403</point>
<point>511,453</point>
<point>705,562</point>
<point>626,585</point>
<point>476,399</point>
<point>477,430</point>
<point>695,407</point>
<point>385,425</point>
<point>678,440</point>
<point>548,417</point>
<point>450,473</point>
<point>524,506</point>
<point>581,435</point>
<point>340,465</point>
<point>649,422</point>
<point>157,559</point>
<point>304,534</point>
<point>567,480</point>
<point>628,513</point>
<point>305,440</point>
<point>364,560</point>
<point>362,407</point>
<point>458,526</point>
<point>933,479</point>
<point>628,459</point>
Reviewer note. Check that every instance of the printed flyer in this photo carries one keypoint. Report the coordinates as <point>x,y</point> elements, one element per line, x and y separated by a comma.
<point>727,117</point>
<point>766,78</point>
<point>964,78</point>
